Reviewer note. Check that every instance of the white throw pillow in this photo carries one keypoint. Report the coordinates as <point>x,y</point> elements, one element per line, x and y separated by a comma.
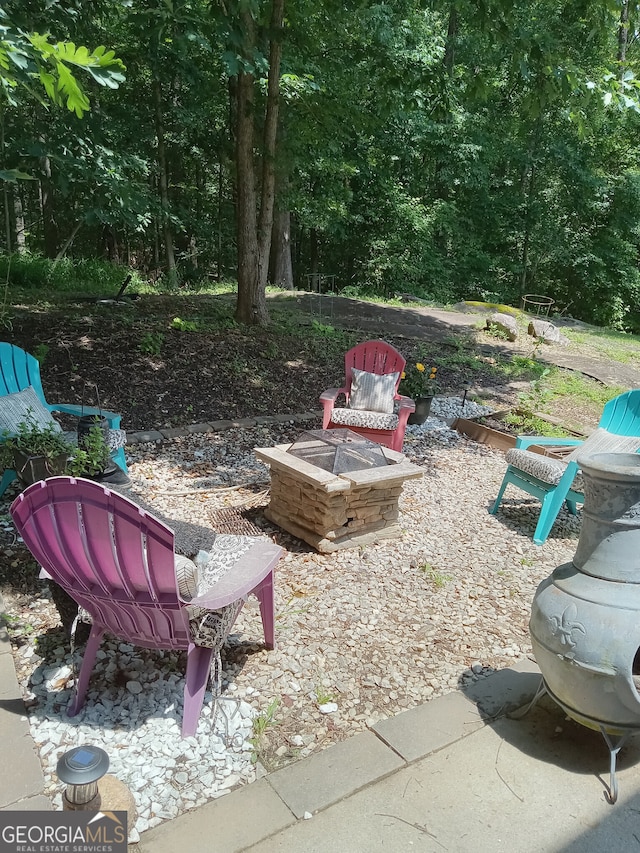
<point>186,576</point>
<point>372,392</point>
<point>25,407</point>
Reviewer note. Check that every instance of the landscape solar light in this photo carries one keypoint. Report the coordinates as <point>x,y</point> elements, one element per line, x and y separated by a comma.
<point>81,768</point>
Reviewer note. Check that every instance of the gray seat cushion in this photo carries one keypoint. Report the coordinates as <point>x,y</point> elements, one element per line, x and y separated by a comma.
<point>364,419</point>
<point>116,439</point>
<point>542,467</point>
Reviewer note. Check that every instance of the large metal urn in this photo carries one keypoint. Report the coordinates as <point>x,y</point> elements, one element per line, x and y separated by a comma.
<point>585,618</point>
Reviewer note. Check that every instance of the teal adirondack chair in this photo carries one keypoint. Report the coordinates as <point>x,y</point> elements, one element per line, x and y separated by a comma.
<point>19,370</point>
<point>555,481</point>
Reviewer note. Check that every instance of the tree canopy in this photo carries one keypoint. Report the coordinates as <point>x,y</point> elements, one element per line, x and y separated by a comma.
<point>467,149</point>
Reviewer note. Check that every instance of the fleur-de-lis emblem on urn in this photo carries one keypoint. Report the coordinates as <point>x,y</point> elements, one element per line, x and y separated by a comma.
<point>563,626</point>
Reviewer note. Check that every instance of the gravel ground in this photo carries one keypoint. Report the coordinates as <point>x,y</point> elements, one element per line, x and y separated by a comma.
<point>363,633</point>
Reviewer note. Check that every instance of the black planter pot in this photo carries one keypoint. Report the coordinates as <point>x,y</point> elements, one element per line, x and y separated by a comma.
<point>31,469</point>
<point>423,407</point>
<point>85,424</point>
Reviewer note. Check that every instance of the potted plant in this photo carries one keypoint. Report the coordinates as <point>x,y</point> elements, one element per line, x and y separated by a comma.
<point>90,457</point>
<point>35,451</point>
<point>419,383</point>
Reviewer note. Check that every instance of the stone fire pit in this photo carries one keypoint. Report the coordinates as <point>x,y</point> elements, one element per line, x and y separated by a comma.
<point>334,489</point>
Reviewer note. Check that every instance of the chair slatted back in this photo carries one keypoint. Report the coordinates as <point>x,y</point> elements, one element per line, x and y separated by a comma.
<point>112,557</point>
<point>622,414</point>
<point>18,370</point>
<point>374,357</point>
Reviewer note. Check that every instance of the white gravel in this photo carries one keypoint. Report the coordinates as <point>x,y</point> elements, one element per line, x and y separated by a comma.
<point>362,633</point>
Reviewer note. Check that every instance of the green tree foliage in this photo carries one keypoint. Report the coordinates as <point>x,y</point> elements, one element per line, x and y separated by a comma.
<point>459,149</point>
<point>31,61</point>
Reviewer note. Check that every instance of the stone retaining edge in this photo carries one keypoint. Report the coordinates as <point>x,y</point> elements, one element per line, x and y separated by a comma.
<point>157,436</point>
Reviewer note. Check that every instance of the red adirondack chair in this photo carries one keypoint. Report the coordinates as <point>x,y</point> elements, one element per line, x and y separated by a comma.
<point>117,561</point>
<point>386,422</point>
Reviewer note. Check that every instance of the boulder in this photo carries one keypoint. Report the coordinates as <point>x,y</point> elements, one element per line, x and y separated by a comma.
<point>547,332</point>
<point>506,323</point>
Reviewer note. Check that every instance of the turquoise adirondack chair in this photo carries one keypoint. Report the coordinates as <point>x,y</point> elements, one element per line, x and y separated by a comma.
<point>555,481</point>
<point>18,371</point>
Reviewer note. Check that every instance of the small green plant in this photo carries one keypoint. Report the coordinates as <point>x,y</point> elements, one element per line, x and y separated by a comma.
<point>151,343</point>
<point>184,325</point>
<point>322,329</point>
<point>33,439</point>
<point>272,351</point>
<point>261,725</point>
<point>237,366</point>
<point>438,579</point>
<point>498,332</point>
<point>91,455</point>
<point>40,353</point>
<point>322,695</point>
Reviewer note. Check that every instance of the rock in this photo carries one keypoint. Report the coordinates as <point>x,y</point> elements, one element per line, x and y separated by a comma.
<point>506,323</point>
<point>547,332</point>
<point>328,708</point>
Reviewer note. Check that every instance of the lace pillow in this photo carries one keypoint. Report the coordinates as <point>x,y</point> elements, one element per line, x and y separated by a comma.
<point>372,392</point>
<point>25,407</point>
<point>186,576</point>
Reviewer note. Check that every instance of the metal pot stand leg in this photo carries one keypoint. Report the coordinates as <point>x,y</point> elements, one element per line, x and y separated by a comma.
<point>614,742</point>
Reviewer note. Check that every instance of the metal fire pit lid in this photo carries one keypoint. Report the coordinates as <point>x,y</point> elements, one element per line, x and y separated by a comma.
<point>338,451</point>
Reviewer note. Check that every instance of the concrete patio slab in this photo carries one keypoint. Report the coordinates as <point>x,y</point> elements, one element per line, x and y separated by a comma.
<point>428,728</point>
<point>229,824</point>
<point>324,778</point>
<point>22,780</point>
<point>515,786</point>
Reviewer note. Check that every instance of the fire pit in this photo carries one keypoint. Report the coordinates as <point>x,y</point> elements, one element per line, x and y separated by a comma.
<point>334,489</point>
<point>584,617</point>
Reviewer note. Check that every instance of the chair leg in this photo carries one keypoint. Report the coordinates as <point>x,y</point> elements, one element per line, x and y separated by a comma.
<point>120,459</point>
<point>264,593</point>
<point>496,503</point>
<point>195,684</point>
<point>551,504</point>
<point>572,507</point>
<point>88,661</point>
<point>7,478</point>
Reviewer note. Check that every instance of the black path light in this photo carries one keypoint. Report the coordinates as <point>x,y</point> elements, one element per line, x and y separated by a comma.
<point>81,768</point>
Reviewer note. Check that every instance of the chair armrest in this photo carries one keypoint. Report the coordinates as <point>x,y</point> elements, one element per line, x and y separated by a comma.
<point>328,399</point>
<point>71,409</point>
<point>405,403</point>
<point>524,441</point>
<point>244,578</point>
<point>332,394</point>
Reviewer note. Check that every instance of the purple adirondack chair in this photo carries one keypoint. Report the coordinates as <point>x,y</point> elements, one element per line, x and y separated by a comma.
<point>117,561</point>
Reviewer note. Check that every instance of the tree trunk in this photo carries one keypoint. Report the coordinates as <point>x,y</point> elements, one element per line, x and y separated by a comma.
<point>163,185</point>
<point>623,37</point>
<point>18,215</point>
<point>528,225</point>
<point>255,228</point>
<point>313,253</point>
<point>450,44</point>
<point>281,265</point>
<point>49,226</point>
<point>251,307</point>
